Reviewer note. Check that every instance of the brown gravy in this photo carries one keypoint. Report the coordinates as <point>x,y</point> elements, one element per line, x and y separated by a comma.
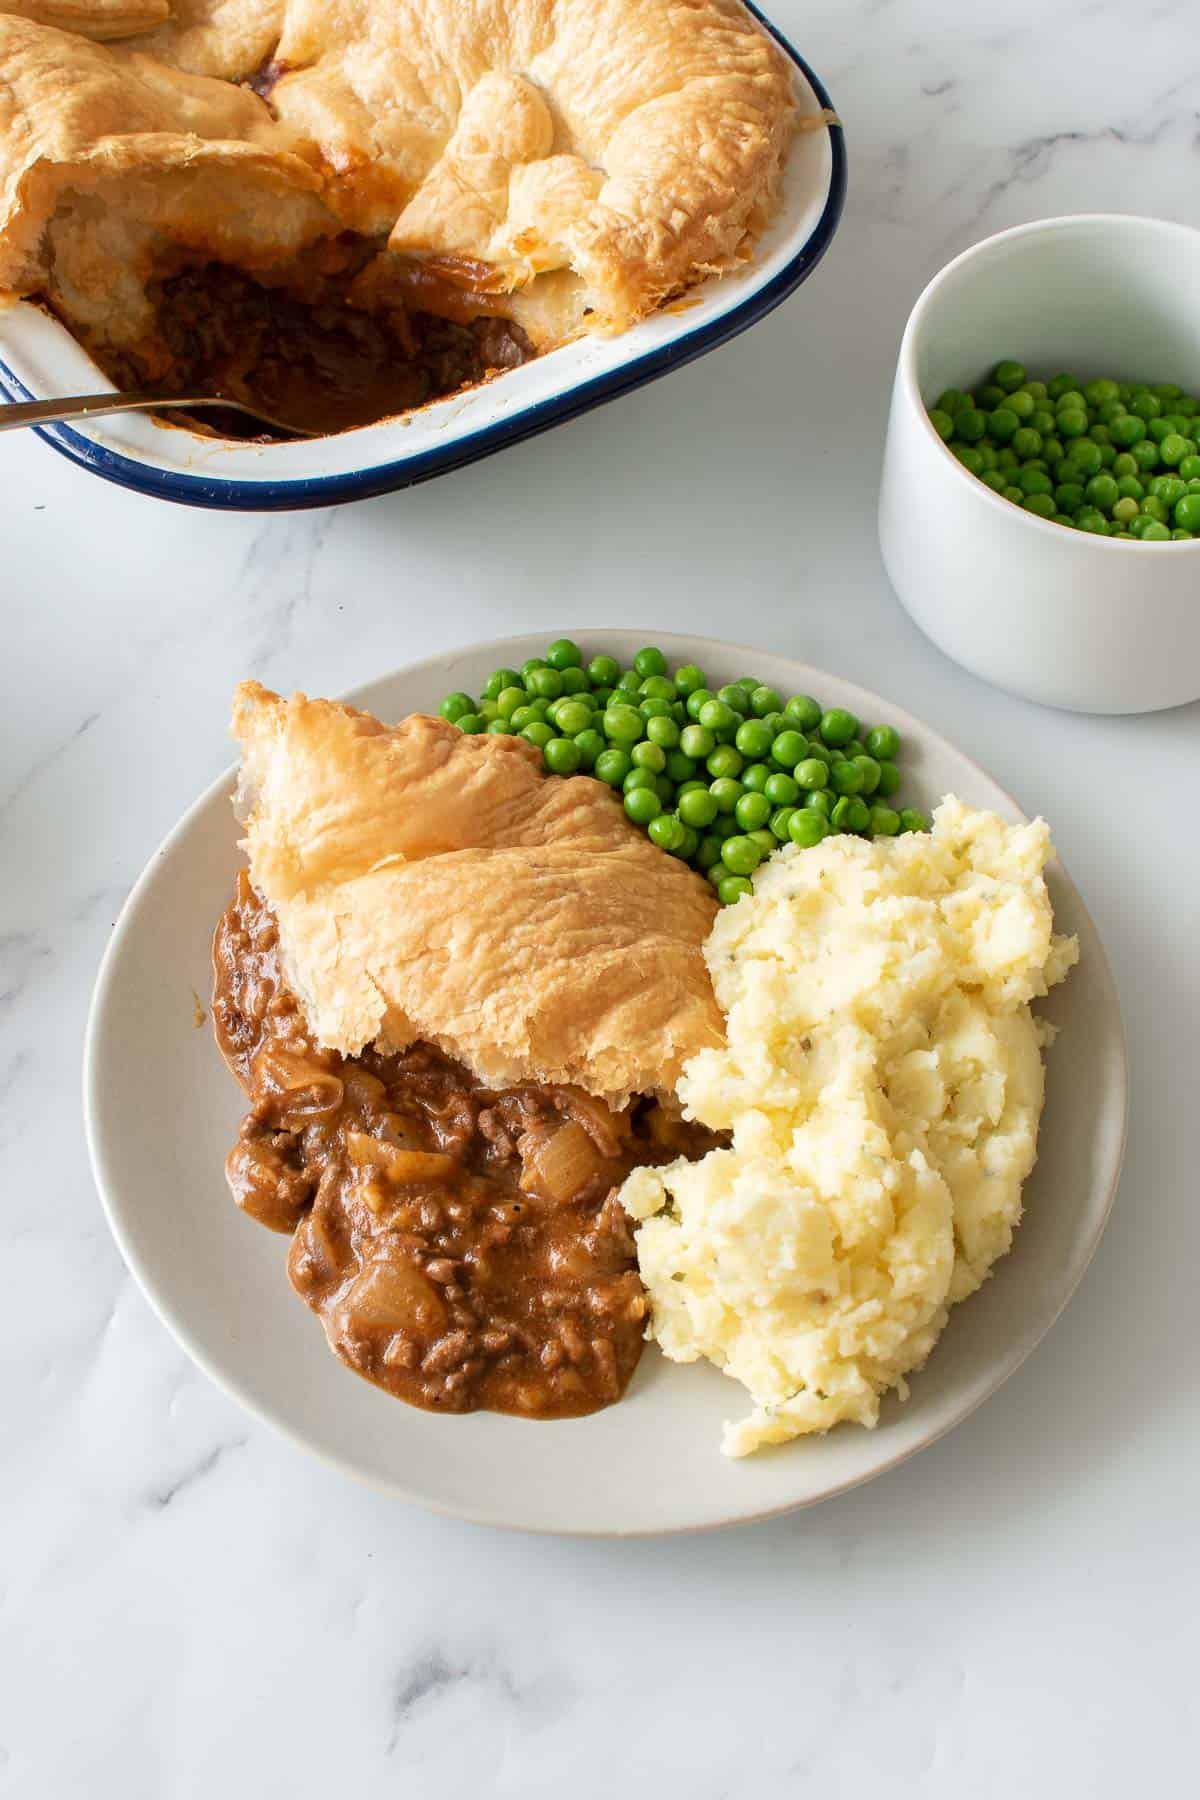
<point>464,1248</point>
<point>335,340</point>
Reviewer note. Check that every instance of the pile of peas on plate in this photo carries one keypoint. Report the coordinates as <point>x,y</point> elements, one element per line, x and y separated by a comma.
<point>1117,458</point>
<point>719,780</point>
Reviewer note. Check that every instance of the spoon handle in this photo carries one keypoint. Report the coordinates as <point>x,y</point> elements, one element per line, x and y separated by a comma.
<point>88,406</point>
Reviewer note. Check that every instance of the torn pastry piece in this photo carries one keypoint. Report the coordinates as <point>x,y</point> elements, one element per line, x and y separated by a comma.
<point>97,19</point>
<point>433,886</point>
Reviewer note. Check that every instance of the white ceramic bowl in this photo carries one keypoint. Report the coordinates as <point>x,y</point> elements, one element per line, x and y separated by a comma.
<point>40,359</point>
<point>1092,624</point>
<point>162,1111</point>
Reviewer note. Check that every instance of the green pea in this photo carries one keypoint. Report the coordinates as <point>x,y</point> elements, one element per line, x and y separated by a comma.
<point>736,699</point>
<point>1068,495</point>
<point>725,761</point>
<point>1102,491</point>
<point>789,748</point>
<point>1041,419</point>
<point>971,425</point>
<point>883,822</point>
<point>697,741</point>
<point>664,732</point>
<point>723,826</point>
<point>689,679</point>
<point>502,728</point>
<point>754,738</point>
<point>1158,429</point>
<point>1015,494</point>
<point>889,777</point>
<point>654,709</point>
<point>755,777</point>
<point>1036,388</point>
<point>1155,533</point>
<point>1129,487</point>
<point>604,671</point>
<point>488,710</point>
<point>500,679</point>
<point>781,789</point>
<point>613,766</point>
<point>699,697</point>
<point>544,683</point>
<point>1002,425</point>
<point>747,683</point>
<point>1127,430</point>
<point>996,479</point>
<point>752,811</point>
<point>969,457</point>
<point>1145,404</point>
<point>602,695</point>
<point>820,801</point>
<point>563,654</point>
<point>471,723</point>
<point>1062,384</point>
<point>781,820</point>
<point>731,888</point>
<point>1072,424</point>
<point>1110,411</point>
<point>951,400</point>
<point>538,733</point>
<point>650,661</point>
<point>668,832</point>
<point>572,716</point>
<point>807,827</point>
<point>708,852</point>
<point>850,814</point>
<point>640,778</point>
<point>649,756</point>
<point>1099,434</point>
<point>1124,464</point>
<point>590,746</point>
<point>1180,536</point>
<point>883,743</point>
<point>697,808</point>
<point>838,726</point>
<point>846,777</point>
<point>989,396</point>
<point>912,819</point>
<point>1027,442</point>
<point>942,423</point>
<point>870,771</point>
<point>1053,451</point>
<point>1173,449</point>
<point>1153,508</point>
<point>741,855</point>
<point>630,684</point>
<point>1169,489</point>
<point>1007,460</point>
<point>1009,375</point>
<point>622,724</point>
<point>1124,511</point>
<point>1035,481</point>
<point>456,706</point>
<point>764,701</point>
<point>803,712</point>
<point>1088,518</point>
<point>575,682</point>
<point>1085,456</point>
<point>561,756</point>
<point>656,687</point>
<point>1187,512</point>
<point>642,805</point>
<point>1042,505</point>
<point>726,792</point>
<point>717,716</point>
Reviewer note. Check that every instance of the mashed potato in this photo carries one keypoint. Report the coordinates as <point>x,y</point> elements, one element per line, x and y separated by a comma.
<point>883,1083</point>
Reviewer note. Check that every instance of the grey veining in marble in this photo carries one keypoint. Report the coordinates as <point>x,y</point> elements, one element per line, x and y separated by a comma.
<point>189,1606</point>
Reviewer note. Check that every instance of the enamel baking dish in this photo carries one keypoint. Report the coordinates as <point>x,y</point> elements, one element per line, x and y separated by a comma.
<point>40,360</point>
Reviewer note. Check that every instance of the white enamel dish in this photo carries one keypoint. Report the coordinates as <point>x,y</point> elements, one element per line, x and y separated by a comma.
<point>162,1111</point>
<point>40,360</point>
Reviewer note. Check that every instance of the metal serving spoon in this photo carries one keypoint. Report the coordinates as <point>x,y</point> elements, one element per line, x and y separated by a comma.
<point>93,406</point>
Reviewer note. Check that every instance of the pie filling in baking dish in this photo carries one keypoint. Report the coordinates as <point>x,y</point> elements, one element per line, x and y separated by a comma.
<point>464,1248</point>
<point>343,212</point>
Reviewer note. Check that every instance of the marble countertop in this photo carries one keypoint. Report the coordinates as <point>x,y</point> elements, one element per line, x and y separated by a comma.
<point>190,1606</point>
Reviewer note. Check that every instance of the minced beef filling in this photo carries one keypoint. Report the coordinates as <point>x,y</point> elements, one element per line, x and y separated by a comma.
<point>311,344</point>
<point>464,1248</point>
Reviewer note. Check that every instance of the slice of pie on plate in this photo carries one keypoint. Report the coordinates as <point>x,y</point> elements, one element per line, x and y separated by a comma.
<point>458,993</point>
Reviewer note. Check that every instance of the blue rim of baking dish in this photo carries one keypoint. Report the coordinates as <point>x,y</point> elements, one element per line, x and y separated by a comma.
<point>300,492</point>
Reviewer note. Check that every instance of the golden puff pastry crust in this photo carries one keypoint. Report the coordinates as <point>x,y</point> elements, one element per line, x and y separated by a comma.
<point>586,158</point>
<point>429,884</point>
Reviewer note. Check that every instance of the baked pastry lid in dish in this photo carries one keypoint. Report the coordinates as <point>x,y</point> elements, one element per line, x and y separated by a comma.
<point>39,359</point>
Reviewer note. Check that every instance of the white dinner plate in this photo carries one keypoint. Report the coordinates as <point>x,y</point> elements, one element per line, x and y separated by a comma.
<point>162,1112</point>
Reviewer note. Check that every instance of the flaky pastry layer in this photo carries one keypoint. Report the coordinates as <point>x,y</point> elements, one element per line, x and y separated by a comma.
<point>430,884</point>
<point>593,157</point>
